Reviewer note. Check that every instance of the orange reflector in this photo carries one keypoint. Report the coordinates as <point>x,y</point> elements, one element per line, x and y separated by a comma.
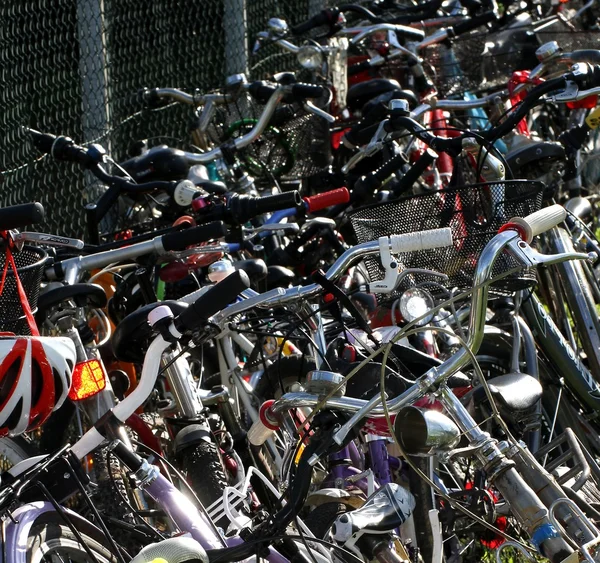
<point>88,379</point>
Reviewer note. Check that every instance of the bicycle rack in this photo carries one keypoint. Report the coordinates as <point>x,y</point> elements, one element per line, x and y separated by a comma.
<point>235,498</point>
<point>573,453</point>
<point>586,548</point>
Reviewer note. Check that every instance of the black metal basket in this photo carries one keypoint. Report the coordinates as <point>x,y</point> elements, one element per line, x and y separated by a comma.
<point>30,267</point>
<point>474,213</point>
<point>486,61</point>
<point>293,147</point>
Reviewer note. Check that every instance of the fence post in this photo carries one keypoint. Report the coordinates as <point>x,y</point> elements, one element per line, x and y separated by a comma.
<point>92,68</point>
<point>236,44</point>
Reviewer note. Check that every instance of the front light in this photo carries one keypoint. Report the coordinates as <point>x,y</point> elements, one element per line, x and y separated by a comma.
<point>415,303</point>
<point>310,57</point>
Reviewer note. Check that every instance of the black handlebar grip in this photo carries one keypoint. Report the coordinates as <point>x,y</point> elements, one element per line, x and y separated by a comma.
<point>42,141</point>
<point>473,23</point>
<point>304,91</point>
<point>369,183</point>
<point>61,147</point>
<point>213,301</point>
<point>359,67</point>
<point>261,91</point>
<point>415,172</point>
<point>325,17</point>
<point>591,56</point>
<point>19,216</point>
<point>195,235</point>
<point>242,208</point>
<point>278,201</point>
<point>409,32</point>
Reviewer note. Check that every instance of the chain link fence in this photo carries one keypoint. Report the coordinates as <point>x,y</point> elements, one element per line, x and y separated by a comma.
<point>75,67</point>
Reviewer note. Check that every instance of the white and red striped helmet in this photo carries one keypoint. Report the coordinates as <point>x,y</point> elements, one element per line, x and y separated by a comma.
<point>35,378</point>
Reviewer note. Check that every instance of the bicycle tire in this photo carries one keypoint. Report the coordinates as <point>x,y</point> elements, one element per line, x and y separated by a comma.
<point>49,536</point>
<point>13,451</point>
<point>205,472</point>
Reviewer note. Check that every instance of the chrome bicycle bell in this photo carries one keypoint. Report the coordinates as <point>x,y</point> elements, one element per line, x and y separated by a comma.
<point>320,382</point>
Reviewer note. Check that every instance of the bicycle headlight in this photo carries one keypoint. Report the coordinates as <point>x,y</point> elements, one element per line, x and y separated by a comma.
<point>414,303</point>
<point>310,57</point>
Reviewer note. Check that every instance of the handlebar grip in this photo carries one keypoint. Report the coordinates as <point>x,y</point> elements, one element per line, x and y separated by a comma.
<point>591,56</point>
<point>409,32</point>
<point>359,67</point>
<point>304,91</point>
<point>415,172</point>
<point>213,301</point>
<point>243,208</point>
<point>474,23</point>
<point>424,240</point>
<point>326,199</point>
<point>60,148</point>
<point>373,181</point>
<point>149,97</point>
<point>261,91</point>
<point>18,216</point>
<point>540,221</point>
<point>265,425</point>
<point>195,235</point>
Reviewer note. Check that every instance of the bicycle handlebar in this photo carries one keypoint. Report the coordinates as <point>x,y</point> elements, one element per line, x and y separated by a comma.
<point>19,216</point>
<point>539,222</point>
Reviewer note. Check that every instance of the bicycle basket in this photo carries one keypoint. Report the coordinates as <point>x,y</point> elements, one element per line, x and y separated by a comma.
<point>473,212</point>
<point>479,61</point>
<point>30,267</point>
<point>293,147</point>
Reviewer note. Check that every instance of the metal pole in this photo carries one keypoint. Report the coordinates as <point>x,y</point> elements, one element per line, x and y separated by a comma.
<point>92,68</point>
<point>94,82</point>
<point>236,44</point>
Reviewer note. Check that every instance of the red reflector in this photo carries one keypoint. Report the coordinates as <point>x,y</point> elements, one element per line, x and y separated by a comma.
<point>88,380</point>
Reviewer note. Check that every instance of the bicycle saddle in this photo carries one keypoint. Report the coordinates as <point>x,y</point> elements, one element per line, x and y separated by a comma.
<point>279,276</point>
<point>385,510</point>
<point>254,267</point>
<point>130,339</point>
<point>359,94</point>
<point>516,392</point>
<point>82,294</point>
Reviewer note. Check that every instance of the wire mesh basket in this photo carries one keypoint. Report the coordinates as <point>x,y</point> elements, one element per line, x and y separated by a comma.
<point>473,212</point>
<point>292,147</point>
<point>483,61</point>
<point>30,267</point>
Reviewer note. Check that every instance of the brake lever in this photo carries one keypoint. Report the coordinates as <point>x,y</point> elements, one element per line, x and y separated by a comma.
<point>530,257</point>
<point>291,227</point>
<point>374,146</point>
<point>310,107</point>
<point>47,239</point>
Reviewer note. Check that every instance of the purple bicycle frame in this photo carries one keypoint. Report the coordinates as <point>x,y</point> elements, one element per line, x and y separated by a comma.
<point>184,514</point>
<point>347,463</point>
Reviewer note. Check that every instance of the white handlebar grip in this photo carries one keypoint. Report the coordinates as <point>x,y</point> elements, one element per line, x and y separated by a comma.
<point>541,221</point>
<point>424,240</point>
<point>264,426</point>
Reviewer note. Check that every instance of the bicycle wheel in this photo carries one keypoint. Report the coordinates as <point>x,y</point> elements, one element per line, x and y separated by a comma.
<point>50,540</point>
<point>13,451</point>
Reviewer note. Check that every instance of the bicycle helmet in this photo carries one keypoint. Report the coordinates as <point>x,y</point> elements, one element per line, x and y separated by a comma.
<point>35,378</point>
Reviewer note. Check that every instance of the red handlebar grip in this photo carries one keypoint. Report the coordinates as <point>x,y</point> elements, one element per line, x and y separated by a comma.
<point>326,199</point>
